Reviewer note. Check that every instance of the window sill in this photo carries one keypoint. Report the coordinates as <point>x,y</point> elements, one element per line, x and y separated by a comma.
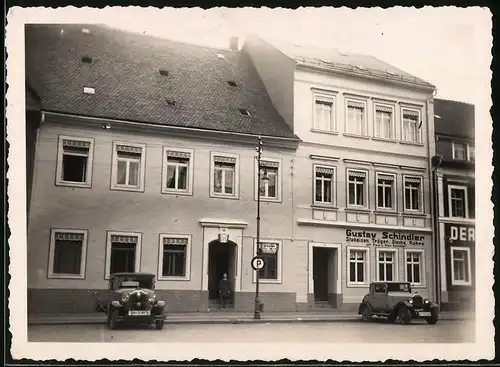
<point>223,196</point>
<point>418,286</point>
<point>386,140</point>
<point>383,211</point>
<point>358,285</point>
<point>324,132</point>
<point>74,184</point>
<point>66,276</point>
<point>268,281</point>
<point>414,214</point>
<point>412,143</point>
<point>325,207</point>
<point>125,188</point>
<point>461,284</point>
<point>354,209</point>
<point>268,200</point>
<point>366,137</point>
<point>177,192</point>
<point>173,278</point>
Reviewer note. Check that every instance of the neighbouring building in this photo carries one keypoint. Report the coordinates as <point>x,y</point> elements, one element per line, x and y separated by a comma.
<point>361,175</point>
<point>145,161</point>
<point>454,130</point>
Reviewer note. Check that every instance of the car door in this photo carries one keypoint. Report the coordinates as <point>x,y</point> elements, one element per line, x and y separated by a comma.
<point>380,298</point>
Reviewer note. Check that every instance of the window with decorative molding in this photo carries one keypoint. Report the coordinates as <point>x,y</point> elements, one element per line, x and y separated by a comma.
<point>412,193</point>
<point>178,171</point>
<point>386,191</point>
<point>386,265</point>
<point>67,253</point>
<point>411,126</point>
<point>358,266</point>
<point>123,252</point>
<point>384,122</point>
<point>357,188</point>
<point>460,266</point>
<point>224,175</point>
<point>356,111</point>
<point>129,165</point>
<point>174,257</point>
<point>324,113</point>
<point>414,267</point>
<point>459,151</point>
<point>74,161</point>
<point>324,185</point>
<point>271,252</point>
<point>270,188</point>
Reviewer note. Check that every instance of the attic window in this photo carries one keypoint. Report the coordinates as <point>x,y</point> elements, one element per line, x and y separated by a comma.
<point>171,102</point>
<point>232,83</point>
<point>163,72</point>
<point>85,30</point>
<point>244,112</point>
<point>360,67</point>
<point>392,73</point>
<point>88,90</point>
<point>221,56</point>
<point>87,59</point>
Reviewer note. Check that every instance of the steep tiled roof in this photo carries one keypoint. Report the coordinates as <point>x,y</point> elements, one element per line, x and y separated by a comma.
<point>124,71</point>
<point>455,118</point>
<point>352,63</point>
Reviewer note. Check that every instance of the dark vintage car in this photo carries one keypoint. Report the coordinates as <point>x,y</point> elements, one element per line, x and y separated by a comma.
<point>132,299</point>
<point>396,302</point>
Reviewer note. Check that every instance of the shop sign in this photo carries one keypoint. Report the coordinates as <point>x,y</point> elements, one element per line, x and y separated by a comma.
<point>268,248</point>
<point>223,235</point>
<point>460,233</point>
<point>383,239</point>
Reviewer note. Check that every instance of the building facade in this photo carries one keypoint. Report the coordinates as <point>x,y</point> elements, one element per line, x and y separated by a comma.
<point>145,161</point>
<point>454,129</point>
<point>363,186</point>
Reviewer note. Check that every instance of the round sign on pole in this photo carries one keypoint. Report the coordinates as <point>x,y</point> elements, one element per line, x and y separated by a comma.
<point>257,263</point>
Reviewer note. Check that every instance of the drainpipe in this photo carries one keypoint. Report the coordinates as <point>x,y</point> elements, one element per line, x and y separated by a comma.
<point>436,162</point>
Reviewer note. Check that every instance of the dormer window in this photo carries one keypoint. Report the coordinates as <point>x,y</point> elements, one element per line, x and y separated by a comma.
<point>171,102</point>
<point>244,112</point>
<point>164,72</point>
<point>87,59</point>
<point>88,90</point>
<point>232,83</point>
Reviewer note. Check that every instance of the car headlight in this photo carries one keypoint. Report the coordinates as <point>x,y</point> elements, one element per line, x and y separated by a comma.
<point>426,301</point>
<point>152,298</point>
<point>125,298</point>
<point>410,300</point>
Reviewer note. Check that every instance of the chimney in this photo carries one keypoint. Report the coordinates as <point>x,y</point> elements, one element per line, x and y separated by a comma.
<point>233,43</point>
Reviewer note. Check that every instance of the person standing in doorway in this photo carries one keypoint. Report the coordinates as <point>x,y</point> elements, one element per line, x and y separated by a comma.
<point>224,291</point>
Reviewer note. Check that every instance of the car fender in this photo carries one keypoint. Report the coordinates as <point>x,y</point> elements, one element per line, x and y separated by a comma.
<point>403,303</point>
<point>360,307</point>
<point>434,305</point>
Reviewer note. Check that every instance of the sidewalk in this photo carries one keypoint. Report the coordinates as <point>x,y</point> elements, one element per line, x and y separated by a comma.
<point>225,317</point>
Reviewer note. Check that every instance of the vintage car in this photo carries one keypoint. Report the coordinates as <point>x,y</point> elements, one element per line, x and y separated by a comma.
<point>396,302</point>
<point>132,299</point>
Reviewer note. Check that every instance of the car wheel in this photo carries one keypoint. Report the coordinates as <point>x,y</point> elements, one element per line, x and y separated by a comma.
<point>433,319</point>
<point>112,315</point>
<point>159,324</point>
<point>404,315</point>
<point>366,313</point>
<point>392,317</point>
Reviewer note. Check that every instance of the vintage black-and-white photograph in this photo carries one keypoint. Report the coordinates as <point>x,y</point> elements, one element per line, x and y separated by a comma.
<point>248,175</point>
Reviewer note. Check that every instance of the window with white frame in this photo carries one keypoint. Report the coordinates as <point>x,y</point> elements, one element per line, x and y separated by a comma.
<point>224,175</point>
<point>123,252</point>
<point>67,253</point>
<point>174,257</point>
<point>357,188</point>
<point>386,265</point>
<point>324,185</point>
<point>324,113</point>
<point>471,154</point>
<point>414,267</point>
<point>460,266</point>
<point>358,266</point>
<point>413,193</point>
<point>457,201</point>
<point>411,122</point>
<point>386,191</point>
<point>384,122</point>
<point>128,166</point>
<point>356,117</point>
<point>459,151</point>
<point>74,161</point>
<point>271,252</point>
<point>177,171</point>
<point>270,188</point>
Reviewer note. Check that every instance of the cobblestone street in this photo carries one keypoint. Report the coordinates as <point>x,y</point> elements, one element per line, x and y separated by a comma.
<point>377,331</point>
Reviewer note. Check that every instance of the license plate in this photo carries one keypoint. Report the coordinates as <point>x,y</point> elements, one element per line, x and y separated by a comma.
<point>139,313</point>
<point>424,314</point>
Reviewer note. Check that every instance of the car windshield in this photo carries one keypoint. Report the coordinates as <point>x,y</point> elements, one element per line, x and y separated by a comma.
<point>134,282</point>
<point>399,287</point>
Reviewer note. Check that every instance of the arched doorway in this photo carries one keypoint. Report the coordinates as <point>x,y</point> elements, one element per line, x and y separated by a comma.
<point>221,260</point>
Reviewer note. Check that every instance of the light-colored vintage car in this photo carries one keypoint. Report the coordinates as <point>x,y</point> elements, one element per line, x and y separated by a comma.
<point>396,302</point>
<point>131,299</point>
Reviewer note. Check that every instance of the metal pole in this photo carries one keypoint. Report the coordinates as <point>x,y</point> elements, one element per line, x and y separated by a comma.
<point>256,314</point>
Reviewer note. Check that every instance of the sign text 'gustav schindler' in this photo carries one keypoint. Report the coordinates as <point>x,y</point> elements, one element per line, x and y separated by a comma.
<point>383,239</point>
